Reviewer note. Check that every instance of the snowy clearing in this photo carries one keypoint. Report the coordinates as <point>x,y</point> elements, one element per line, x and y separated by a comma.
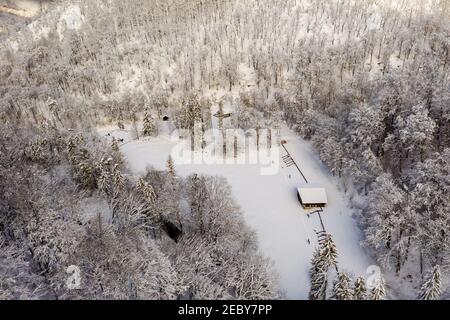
<point>270,206</point>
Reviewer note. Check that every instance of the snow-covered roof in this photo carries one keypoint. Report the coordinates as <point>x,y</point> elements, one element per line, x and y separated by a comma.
<point>312,195</point>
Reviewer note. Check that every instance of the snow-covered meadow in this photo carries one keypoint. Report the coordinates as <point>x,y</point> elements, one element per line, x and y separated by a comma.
<point>286,232</point>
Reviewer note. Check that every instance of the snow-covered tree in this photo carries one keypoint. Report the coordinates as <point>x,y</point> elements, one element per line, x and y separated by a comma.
<point>416,131</point>
<point>378,292</point>
<point>104,179</point>
<point>118,180</point>
<point>197,198</point>
<point>373,103</point>
<point>149,197</point>
<point>323,259</point>
<point>318,288</point>
<point>171,167</point>
<point>431,288</point>
<point>342,289</point>
<point>365,127</point>
<point>429,197</point>
<point>146,190</point>
<point>360,289</point>
<point>149,126</point>
<point>387,222</point>
<point>115,146</point>
<point>332,154</point>
<point>328,252</point>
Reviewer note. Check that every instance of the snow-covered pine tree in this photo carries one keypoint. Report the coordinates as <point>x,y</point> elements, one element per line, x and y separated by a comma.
<point>318,290</point>
<point>149,197</point>
<point>39,151</point>
<point>116,155</point>
<point>323,259</point>
<point>104,178</point>
<point>360,289</point>
<point>149,126</point>
<point>416,131</point>
<point>431,288</point>
<point>328,252</point>
<point>378,292</point>
<point>197,198</point>
<point>115,146</point>
<point>194,110</point>
<point>147,191</point>
<point>342,289</point>
<point>117,178</point>
<point>319,279</point>
<point>84,175</point>
<point>171,166</point>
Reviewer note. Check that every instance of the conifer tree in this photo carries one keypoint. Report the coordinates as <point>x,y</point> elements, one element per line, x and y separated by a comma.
<point>319,278</point>
<point>115,146</point>
<point>149,126</point>
<point>360,289</point>
<point>324,258</point>
<point>171,167</point>
<point>117,178</point>
<point>117,156</point>
<point>431,288</point>
<point>342,289</point>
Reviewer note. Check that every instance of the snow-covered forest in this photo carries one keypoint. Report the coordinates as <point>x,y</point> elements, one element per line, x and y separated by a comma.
<point>366,82</point>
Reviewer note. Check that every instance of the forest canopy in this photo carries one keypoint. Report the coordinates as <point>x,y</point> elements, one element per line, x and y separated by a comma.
<point>367,82</point>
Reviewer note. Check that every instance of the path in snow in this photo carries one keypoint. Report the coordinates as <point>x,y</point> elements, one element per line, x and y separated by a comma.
<point>270,206</point>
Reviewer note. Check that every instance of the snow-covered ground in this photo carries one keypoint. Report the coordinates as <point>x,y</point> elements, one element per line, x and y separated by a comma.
<point>24,8</point>
<point>270,206</point>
